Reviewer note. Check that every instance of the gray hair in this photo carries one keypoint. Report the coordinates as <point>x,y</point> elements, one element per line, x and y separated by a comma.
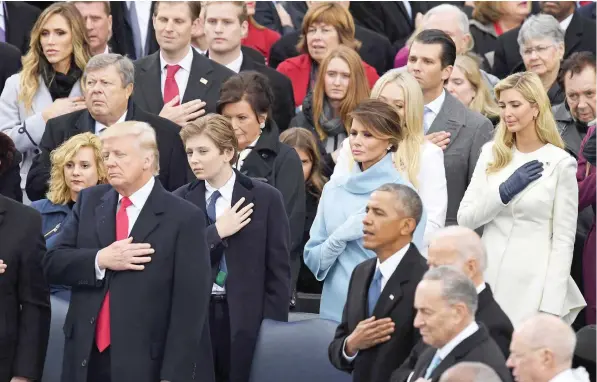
<point>123,64</point>
<point>456,287</point>
<point>463,21</point>
<point>467,243</point>
<point>540,27</point>
<point>547,331</point>
<point>407,199</point>
<point>470,372</point>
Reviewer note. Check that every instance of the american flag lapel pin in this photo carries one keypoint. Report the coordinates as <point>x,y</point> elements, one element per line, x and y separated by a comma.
<point>391,297</point>
<point>203,81</point>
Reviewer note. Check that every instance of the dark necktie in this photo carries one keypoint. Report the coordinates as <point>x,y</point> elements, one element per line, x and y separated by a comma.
<point>374,291</point>
<point>211,214</point>
<point>134,20</point>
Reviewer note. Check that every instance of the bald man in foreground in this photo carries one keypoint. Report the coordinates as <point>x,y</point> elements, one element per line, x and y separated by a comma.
<point>541,351</point>
<point>470,372</point>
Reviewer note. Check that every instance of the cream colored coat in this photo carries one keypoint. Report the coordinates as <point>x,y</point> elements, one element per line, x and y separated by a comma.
<point>529,241</point>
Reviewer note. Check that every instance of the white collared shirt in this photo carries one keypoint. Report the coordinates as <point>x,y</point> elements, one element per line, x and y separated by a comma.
<point>572,375</point>
<point>138,200</point>
<point>566,22</point>
<point>107,50</point>
<point>435,106</point>
<point>223,202</point>
<point>481,288</point>
<point>143,17</point>
<point>182,76</point>
<point>99,126</point>
<point>198,50</point>
<point>236,64</point>
<point>463,335</point>
<point>245,153</point>
<point>2,15</point>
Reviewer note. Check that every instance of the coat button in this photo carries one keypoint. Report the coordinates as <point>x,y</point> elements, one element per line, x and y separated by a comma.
<point>212,246</point>
<point>92,320</point>
<point>84,363</point>
<point>264,156</point>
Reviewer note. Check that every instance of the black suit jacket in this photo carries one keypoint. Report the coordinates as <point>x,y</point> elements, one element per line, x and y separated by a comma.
<point>479,347</point>
<point>257,257</point>
<point>283,106</point>
<point>10,179</point>
<point>10,63</point>
<point>580,36</point>
<point>24,293</point>
<point>375,50</point>
<point>204,82</point>
<point>174,167</point>
<point>122,34</point>
<point>19,20</point>
<point>158,316</point>
<point>396,301</point>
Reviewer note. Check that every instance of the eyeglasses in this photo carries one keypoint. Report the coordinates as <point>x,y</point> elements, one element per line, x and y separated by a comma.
<point>540,49</point>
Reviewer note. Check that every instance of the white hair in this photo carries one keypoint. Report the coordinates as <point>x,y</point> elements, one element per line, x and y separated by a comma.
<point>470,372</point>
<point>456,287</point>
<point>538,27</point>
<point>463,21</point>
<point>547,331</point>
<point>466,242</point>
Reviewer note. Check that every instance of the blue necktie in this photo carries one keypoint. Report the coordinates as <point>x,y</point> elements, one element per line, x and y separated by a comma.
<point>434,363</point>
<point>211,214</point>
<point>374,292</point>
<point>134,20</point>
<point>428,113</point>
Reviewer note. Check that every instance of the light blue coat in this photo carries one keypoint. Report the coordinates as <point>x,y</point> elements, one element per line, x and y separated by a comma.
<point>335,247</point>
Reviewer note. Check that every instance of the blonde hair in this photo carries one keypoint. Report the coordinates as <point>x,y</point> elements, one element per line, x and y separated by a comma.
<point>59,192</point>
<point>217,128</point>
<point>483,102</point>
<point>408,154</point>
<point>358,87</point>
<point>530,87</point>
<point>144,134</point>
<point>34,62</point>
<point>487,12</point>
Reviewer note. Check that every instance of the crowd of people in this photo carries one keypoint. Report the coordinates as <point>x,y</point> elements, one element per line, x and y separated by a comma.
<point>179,172</point>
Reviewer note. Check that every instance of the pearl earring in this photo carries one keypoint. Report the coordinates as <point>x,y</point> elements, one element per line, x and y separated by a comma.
<point>262,125</point>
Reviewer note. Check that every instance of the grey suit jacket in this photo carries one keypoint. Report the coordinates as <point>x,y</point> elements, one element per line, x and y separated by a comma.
<point>469,132</point>
<point>26,127</point>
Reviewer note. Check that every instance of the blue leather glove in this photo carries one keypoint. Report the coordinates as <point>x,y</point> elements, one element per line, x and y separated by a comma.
<point>351,229</point>
<point>520,179</point>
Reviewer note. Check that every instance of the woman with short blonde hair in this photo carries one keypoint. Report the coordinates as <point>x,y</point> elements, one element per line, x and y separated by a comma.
<point>524,194</point>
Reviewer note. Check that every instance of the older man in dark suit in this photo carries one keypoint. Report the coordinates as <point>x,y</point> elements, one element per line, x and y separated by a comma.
<point>447,122</point>
<point>108,85</point>
<point>25,294</point>
<point>176,82</point>
<point>446,302</point>
<point>136,259</point>
<point>376,333</point>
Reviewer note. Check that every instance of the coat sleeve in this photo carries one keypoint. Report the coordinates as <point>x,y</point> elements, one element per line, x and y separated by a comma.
<point>191,282</point>
<point>433,189</point>
<point>277,266</point>
<point>39,173</point>
<point>565,213</point>
<point>276,54</point>
<point>481,202</point>
<point>26,132</point>
<point>178,171</point>
<point>500,66</point>
<point>408,366</point>
<point>483,134</point>
<point>34,298</point>
<point>336,348</point>
<point>65,263</point>
<point>586,182</point>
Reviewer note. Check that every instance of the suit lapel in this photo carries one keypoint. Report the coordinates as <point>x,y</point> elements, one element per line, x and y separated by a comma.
<point>197,196</point>
<point>574,34</point>
<point>2,209</point>
<point>105,214</point>
<point>241,191</point>
<point>199,79</point>
<point>362,286</point>
<point>447,119</point>
<point>149,219</point>
<point>85,124</point>
<point>150,83</point>
<point>460,351</point>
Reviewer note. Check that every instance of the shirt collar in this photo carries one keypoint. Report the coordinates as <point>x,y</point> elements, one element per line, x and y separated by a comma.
<point>100,126</point>
<point>236,64</point>
<point>185,63</point>
<point>388,267</point>
<point>566,22</point>
<point>481,288</point>
<point>107,50</point>
<point>201,52</point>
<point>463,335</point>
<point>139,197</point>
<point>436,105</point>
<point>564,376</point>
<point>225,191</point>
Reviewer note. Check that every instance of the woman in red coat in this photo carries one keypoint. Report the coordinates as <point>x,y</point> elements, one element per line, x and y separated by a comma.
<point>325,27</point>
<point>259,37</point>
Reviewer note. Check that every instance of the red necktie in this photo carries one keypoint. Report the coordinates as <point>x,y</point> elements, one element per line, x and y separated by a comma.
<point>170,86</point>
<point>102,330</point>
<point>583,3</point>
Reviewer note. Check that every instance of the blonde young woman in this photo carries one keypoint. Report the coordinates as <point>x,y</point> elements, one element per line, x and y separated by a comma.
<point>418,161</point>
<point>466,83</point>
<point>524,193</point>
<point>49,83</point>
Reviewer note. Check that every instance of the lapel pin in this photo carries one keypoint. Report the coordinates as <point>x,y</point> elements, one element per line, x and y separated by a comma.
<point>391,297</point>
<point>547,163</point>
<point>203,81</point>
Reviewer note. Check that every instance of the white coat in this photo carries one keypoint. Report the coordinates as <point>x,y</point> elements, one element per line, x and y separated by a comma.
<point>530,240</point>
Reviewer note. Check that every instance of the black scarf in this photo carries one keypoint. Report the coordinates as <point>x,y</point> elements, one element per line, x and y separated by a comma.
<point>60,84</point>
<point>589,151</point>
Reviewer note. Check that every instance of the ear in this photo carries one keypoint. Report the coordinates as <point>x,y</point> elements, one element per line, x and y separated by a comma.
<point>467,41</point>
<point>560,50</point>
<point>447,72</point>
<point>244,29</point>
<point>408,227</point>
<point>228,154</point>
<point>262,118</point>
<point>153,21</point>
<point>546,358</point>
<point>129,90</point>
<point>195,26</point>
<point>110,24</point>
<point>471,267</point>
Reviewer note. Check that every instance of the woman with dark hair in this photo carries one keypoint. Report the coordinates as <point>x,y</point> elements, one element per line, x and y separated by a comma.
<point>246,99</point>
<point>10,177</point>
<point>335,247</point>
<point>303,141</point>
<point>49,85</point>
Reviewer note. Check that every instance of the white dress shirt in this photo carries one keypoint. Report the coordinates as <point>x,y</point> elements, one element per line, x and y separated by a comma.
<point>387,269</point>
<point>481,288</point>
<point>434,106</point>
<point>143,17</point>
<point>245,153</point>
<point>138,199</point>
<point>572,375</point>
<point>463,335</point>
<point>198,50</point>
<point>236,64</point>
<point>566,22</point>
<point>99,127</point>
<point>182,76</point>
<point>223,202</point>
<point>2,15</point>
